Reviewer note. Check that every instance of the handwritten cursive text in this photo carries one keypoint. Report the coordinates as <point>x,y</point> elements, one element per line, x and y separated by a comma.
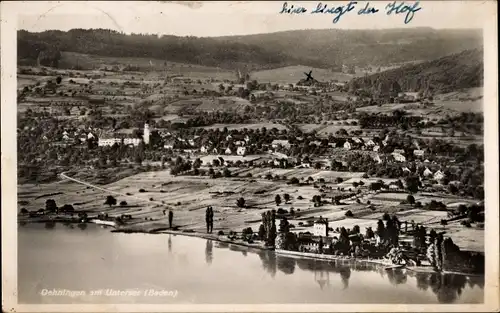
<point>339,11</point>
<point>403,8</point>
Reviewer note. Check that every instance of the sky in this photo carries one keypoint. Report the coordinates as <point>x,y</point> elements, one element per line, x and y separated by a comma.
<point>214,18</point>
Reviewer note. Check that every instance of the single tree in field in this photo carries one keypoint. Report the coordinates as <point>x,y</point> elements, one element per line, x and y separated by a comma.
<point>170,218</point>
<point>410,199</point>
<point>277,199</point>
<point>110,200</point>
<point>58,80</point>
<point>412,184</point>
<point>240,203</point>
<point>286,197</point>
<point>50,205</point>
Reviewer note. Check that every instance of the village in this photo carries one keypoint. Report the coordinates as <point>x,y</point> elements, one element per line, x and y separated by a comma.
<point>237,144</point>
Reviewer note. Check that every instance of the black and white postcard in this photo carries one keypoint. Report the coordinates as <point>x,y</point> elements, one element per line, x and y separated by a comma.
<point>249,156</point>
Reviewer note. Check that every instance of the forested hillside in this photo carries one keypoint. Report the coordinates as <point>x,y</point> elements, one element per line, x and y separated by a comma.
<point>367,47</point>
<point>454,72</point>
<point>316,48</point>
<point>192,50</point>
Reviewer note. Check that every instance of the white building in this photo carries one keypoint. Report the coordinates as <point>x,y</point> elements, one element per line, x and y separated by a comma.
<point>400,151</point>
<point>427,172</point>
<point>411,96</point>
<point>398,157</point>
<point>418,153</point>
<point>241,151</point>
<point>439,175</point>
<point>132,141</point>
<point>228,151</point>
<point>191,142</point>
<point>204,149</point>
<point>370,143</point>
<point>376,148</point>
<point>377,158</point>
<point>320,228</point>
<point>281,143</point>
<point>103,142</point>
<point>347,145</point>
<point>146,134</point>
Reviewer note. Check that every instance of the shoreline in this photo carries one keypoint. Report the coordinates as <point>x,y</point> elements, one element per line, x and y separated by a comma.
<point>293,254</point>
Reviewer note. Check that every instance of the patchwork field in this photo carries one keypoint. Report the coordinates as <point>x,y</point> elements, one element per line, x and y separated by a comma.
<point>247,126</point>
<point>87,61</point>
<point>189,196</point>
<point>292,74</point>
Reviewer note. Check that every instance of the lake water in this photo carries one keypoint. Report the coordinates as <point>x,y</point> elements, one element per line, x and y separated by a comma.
<point>185,270</point>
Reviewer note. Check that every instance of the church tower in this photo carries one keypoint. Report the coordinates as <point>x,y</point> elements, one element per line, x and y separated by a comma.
<point>146,133</point>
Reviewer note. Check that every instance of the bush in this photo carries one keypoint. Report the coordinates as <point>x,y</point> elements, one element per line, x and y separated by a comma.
<point>123,203</point>
<point>151,199</point>
<point>444,222</point>
<point>300,223</point>
<point>281,211</point>
<point>300,198</point>
<point>220,233</point>
<point>349,214</point>
<point>142,190</point>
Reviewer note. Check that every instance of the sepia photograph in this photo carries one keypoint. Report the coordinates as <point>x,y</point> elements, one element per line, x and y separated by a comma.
<point>249,156</point>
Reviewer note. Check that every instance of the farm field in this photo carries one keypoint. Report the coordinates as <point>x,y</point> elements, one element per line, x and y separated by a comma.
<point>256,126</point>
<point>87,61</point>
<point>188,196</point>
<point>292,74</point>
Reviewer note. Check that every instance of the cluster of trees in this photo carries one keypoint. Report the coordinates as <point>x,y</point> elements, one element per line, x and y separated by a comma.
<point>453,72</point>
<point>180,165</point>
<point>397,119</point>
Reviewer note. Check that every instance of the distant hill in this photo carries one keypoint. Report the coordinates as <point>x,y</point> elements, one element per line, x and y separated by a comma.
<point>443,75</point>
<point>366,47</point>
<point>327,49</point>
